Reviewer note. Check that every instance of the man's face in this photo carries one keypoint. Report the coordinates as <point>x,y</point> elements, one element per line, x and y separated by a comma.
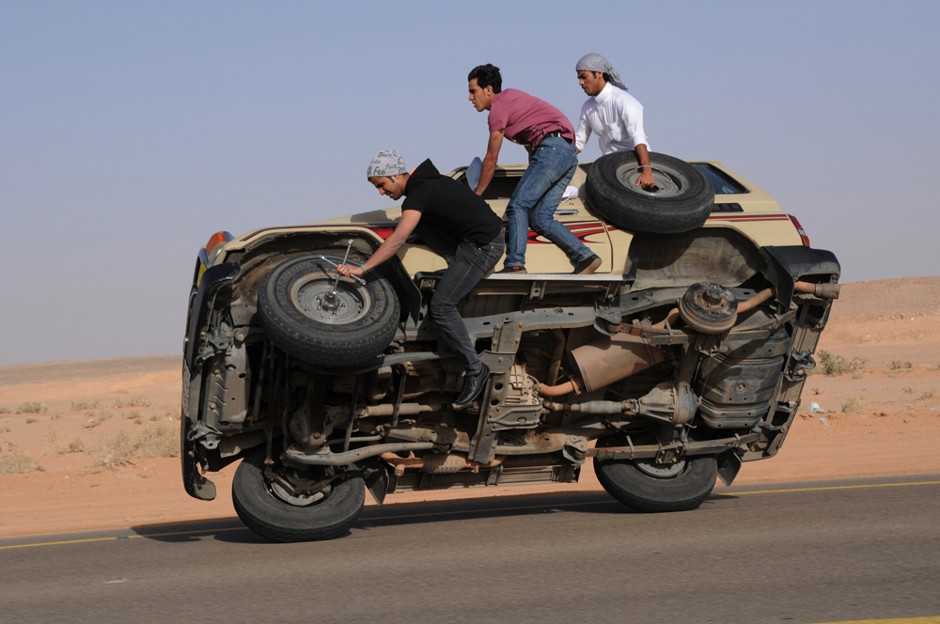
<point>482,99</point>
<point>591,82</point>
<point>390,186</point>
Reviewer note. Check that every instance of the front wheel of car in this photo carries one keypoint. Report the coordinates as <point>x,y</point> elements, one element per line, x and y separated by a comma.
<point>310,314</point>
<point>681,200</point>
<point>287,504</point>
<point>646,486</point>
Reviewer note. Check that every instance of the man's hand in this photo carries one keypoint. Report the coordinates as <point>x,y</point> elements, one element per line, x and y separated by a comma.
<point>489,161</point>
<point>646,179</point>
<point>347,270</point>
<point>646,171</point>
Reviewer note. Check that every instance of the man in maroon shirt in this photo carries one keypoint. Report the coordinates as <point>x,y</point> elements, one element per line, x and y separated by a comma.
<point>548,137</point>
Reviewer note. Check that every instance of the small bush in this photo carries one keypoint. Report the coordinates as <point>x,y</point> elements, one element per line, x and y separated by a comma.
<point>31,407</point>
<point>82,406</point>
<point>96,419</point>
<point>852,405</point>
<point>152,441</point>
<point>15,463</point>
<point>835,365</point>
<point>5,410</point>
<point>899,365</point>
<point>75,445</point>
<point>133,402</point>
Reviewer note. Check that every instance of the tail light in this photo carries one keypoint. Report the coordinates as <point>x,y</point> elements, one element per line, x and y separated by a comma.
<point>208,253</point>
<point>220,238</point>
<point>799,230</point>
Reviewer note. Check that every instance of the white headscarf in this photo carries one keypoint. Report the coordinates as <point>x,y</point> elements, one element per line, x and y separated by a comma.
<point>386,163</point>
<point>597,63</point>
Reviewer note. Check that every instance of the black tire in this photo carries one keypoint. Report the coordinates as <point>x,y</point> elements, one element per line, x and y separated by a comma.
<point>346,331</point>
<point>682,200</point>
<point>271,511</point>
<point>640,485</point>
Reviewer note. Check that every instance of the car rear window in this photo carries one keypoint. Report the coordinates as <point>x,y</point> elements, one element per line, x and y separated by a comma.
<point>721,181</point>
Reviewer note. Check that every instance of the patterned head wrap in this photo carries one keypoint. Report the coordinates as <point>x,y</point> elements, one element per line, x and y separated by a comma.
<point>386,163</point>
<point>597,63</point>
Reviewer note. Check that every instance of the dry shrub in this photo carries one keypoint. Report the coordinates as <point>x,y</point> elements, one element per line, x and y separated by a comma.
<point>96,419</point>
<point>75,445</point>
<point>852,405</point>
<point>133,402</point>
<point>152,441</point>
<point>15,463</point>
<point>31,407</point>
<point>837,365</point>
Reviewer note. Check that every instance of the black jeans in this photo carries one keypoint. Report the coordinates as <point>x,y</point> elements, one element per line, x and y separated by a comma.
<point>465,269</point>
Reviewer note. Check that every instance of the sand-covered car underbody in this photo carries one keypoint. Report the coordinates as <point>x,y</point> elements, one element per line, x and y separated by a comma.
<point>683,357</point>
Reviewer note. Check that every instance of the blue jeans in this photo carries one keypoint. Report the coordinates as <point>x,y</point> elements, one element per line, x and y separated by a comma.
<point>465,269</point>
<point>536,198</point>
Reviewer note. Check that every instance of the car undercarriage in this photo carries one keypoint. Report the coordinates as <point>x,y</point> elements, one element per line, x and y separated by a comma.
<point>666,376</point>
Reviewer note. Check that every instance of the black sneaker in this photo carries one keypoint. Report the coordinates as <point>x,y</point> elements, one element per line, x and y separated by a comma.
<point>587,266</point>
<point>472,386</point>
<point>512,268</point>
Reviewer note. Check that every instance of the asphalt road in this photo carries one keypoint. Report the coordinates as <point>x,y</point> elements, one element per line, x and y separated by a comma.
<point>818,552</point>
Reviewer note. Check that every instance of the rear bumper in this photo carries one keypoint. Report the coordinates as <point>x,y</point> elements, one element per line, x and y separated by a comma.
<point>213,280</point>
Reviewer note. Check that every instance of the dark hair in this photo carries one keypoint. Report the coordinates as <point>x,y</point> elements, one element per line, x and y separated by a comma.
<point>487,76</point>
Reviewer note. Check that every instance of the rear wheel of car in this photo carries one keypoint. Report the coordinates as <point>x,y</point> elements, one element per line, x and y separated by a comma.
<point>681,201</point>
<point>646,486</point>
<point>311,315</point>
<point>296,505</point>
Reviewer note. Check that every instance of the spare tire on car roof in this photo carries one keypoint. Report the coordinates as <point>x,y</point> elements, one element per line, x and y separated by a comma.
<point>682,200</point>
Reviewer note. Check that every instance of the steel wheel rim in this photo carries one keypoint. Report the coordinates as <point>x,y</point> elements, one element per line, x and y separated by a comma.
<point>668,184</point>
<point>660,471</point>
<point>315,297</point>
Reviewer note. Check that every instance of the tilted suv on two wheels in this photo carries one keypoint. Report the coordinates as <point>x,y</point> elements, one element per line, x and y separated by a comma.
<point>682,357</point>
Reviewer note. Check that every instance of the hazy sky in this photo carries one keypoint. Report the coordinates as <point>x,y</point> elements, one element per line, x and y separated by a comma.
<point>131,131</point>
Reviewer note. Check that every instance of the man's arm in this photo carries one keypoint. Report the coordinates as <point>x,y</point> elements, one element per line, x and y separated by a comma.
<point>583,131</point>
<point>489,161</point>
<point>406,225</point>
<point>646,174</point>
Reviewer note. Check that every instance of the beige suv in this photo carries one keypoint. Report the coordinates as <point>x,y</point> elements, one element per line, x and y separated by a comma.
<point>682,357</point>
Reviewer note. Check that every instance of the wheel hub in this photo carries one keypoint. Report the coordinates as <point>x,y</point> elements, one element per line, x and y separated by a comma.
<point>320,300</point>
<point>666,185</point>
<point>297,492</point>
<point>709,308</point>
<point>660,471</point>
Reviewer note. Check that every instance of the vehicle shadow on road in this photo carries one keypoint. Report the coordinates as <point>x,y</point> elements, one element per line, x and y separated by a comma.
<point>391,514</point>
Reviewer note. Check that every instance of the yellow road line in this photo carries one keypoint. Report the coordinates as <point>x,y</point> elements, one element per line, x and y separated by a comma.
<point>115,538</point>
<point>831,488</point>
<point>930,619</point>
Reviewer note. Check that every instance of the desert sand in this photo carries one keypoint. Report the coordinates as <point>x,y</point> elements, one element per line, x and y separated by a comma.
<point>71,433</point>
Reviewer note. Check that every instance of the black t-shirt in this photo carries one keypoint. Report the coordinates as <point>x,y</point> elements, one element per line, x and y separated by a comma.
<point>448,208</point>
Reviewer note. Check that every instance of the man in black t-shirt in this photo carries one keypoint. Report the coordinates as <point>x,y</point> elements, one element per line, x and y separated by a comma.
<point>456,223</point>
